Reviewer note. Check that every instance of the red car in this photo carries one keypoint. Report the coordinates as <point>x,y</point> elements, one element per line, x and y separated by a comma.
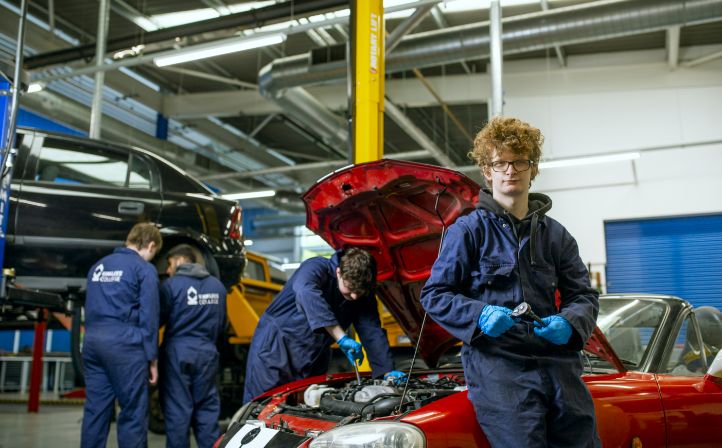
<point>649,363</point>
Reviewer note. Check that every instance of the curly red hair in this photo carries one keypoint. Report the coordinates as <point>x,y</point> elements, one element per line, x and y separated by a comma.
<point>507,134</point>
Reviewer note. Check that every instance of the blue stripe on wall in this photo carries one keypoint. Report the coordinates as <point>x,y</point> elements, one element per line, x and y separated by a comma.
<point>32,120</point>
<point>60,344</point>
<point>678,256</point>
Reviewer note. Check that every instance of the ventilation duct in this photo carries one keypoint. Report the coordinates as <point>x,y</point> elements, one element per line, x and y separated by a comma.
<point>282,80</point>
<point>304,108</point>
<point>564,26</point>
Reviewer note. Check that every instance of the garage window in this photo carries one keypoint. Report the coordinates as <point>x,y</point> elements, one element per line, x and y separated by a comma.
<point>63,162</point>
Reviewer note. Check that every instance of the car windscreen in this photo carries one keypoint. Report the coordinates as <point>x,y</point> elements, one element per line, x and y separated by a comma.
<point>630,325</point>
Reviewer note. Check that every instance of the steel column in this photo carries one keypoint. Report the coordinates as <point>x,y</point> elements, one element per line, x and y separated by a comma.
<point>8,117</point>
<point>96,111</point>
<point>497,102</point>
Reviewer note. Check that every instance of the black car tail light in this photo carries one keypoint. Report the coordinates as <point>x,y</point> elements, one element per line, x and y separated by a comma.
<point>235,230</point>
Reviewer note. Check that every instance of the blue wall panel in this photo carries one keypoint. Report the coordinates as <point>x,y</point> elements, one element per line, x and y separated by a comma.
<point>26,341</point>
<point>61,341</point>
<point>7,337</point>
<point>678,256</point>
<point>32,120</point>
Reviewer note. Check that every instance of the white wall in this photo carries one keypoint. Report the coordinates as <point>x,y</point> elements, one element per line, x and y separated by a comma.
<point>616,103</point>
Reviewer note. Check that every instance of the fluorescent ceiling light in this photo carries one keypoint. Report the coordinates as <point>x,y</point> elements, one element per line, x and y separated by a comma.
<point>145,23</point>
<point>184,17</point>
<point>219,48</point>
<point>243,7</point>
<point>250,195</point>
<point>578,161</point>
<point>248,242</point>
<point>474,5</point>
<point>172,19</point>
<point>289,266</point>
<point>35,87</point>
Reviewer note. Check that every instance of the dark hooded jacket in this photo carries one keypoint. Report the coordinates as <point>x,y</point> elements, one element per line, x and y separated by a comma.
<point>193,306</point>
<point>490,257</point>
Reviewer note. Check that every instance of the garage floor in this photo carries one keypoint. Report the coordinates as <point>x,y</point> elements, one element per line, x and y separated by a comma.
<point>54,425</point>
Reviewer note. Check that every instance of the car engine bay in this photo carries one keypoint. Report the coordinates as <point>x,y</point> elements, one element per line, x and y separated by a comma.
<point>347,401</point>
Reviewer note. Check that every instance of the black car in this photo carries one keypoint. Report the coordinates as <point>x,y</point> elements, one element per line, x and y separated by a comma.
<point>73,200</point>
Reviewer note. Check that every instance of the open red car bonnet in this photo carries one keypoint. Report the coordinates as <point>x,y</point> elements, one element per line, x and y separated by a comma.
<point>396,210</point>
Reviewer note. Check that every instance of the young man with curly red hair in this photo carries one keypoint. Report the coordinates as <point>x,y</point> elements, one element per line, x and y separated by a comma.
<point>523,379</point>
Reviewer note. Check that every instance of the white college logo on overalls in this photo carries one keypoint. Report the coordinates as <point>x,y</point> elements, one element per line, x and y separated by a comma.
<point>97,273</point>
<point>192,296</point>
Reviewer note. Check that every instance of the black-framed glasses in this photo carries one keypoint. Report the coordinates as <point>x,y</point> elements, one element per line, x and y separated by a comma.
<point>500,166</point>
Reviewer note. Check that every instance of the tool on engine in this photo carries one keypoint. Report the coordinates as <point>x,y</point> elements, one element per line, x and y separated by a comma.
<point>523,311</point>
<point>355,369</point>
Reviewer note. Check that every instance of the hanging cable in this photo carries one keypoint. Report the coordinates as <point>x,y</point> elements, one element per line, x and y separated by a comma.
<point>423,322</point>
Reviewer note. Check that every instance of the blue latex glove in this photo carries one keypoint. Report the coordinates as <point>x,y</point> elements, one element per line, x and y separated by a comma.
<point>495,320</point>
<point>557,331</point>
<point>352,349</point>
<point>396,376</point>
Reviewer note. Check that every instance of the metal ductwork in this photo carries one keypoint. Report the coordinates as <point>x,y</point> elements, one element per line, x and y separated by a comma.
<point>304,108</point>
<point>281,80</point>
<point>564,26</point>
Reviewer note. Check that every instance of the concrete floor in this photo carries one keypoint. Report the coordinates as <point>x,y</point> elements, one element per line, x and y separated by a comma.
<point>54,425</point>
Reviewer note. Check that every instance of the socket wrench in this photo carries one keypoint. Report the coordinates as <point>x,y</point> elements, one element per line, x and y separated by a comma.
<point>523,311</point>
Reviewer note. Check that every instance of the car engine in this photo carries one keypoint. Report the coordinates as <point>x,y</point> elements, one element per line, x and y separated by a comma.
<point>349,401</point>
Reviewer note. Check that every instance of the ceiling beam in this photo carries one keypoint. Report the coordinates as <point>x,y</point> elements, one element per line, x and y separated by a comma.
<point>702,59</point>
<point>442,23</point>
<point>325,165</point>
<point>206,75</point>
<point>405,27</point>
<point>417,134</point>
<point>600,72</point>
<point>558,50</point>
<point>243,20</point>
<point>672,43</point>
<point>132,15</point>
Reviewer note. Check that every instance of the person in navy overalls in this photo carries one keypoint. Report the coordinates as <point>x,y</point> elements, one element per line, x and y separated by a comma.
<point>193,310</point>
<point>120,349</point>
<point>314,309</point>
<point>523,379</point>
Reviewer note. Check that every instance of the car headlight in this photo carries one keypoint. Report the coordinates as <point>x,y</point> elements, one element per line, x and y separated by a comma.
<point>372,435</point>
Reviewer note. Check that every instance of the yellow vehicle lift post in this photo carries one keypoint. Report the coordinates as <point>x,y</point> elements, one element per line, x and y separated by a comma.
<point>367,92</point>
<point>368,68</point>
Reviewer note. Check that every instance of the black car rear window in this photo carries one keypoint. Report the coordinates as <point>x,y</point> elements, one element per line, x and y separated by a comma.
<point>175,181</point>
<point>73,163</point>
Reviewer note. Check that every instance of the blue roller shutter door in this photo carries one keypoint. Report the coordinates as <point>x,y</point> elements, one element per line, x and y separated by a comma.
<point>678,256</point>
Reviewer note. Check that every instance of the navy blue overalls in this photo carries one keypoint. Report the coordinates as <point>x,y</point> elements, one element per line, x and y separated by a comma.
<point>291,342</point>
<point>527,392</point>
<point>193,310</point>
<point>121,338</point>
